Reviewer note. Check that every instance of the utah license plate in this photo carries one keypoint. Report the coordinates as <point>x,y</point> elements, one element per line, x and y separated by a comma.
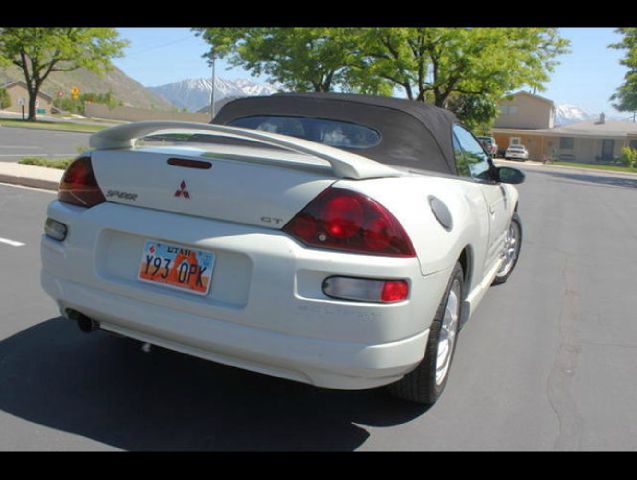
<point>176,266</point>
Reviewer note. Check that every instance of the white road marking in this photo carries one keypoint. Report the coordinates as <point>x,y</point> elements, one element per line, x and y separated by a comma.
<point>52,192</point>
<point>18,146</point>
<point>13,243</point>
<point>38,155</point>
<point>42,190</point>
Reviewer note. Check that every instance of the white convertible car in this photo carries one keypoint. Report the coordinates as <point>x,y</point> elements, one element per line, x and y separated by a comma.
<point>333,239</point>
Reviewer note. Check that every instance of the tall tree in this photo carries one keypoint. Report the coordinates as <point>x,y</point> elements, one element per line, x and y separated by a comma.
<point>626,94</point>
<point>468,69</point>
<point>40,51</point>
<point>301,59</point>
<point>461,66</point>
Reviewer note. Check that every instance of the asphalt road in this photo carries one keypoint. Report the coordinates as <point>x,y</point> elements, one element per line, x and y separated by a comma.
<point>548,362</point>
<point>16,143</point>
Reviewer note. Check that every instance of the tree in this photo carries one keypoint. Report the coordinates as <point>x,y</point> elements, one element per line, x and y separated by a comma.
<point>461,67</point>
<point>477,112</point>
<point>626,94</point>
<point>40,51</point>
<point>5,99</point>
<point>301,59</point>
<point>468,69</point>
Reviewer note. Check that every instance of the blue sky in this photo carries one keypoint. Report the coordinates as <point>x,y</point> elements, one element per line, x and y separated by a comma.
<point>586,77</point>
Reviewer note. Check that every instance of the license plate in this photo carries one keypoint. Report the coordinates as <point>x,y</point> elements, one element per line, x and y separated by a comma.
<point>177,267</point>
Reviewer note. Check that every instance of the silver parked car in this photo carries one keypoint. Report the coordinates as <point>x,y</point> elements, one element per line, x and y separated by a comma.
<point>516,152</point>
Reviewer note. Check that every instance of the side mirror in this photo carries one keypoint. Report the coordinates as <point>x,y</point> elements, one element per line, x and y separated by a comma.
<point>510,175</point>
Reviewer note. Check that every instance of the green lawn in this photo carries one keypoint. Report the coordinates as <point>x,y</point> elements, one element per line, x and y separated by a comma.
<point>614,168</point>
<point>64,126</point>
<point>60,163</point>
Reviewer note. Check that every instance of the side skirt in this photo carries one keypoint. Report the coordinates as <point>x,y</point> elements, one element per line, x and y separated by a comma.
<point>477,294</point>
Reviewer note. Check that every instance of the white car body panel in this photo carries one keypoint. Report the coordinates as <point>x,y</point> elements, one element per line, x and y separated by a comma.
<point>266,310</point>
<point>231,190</point>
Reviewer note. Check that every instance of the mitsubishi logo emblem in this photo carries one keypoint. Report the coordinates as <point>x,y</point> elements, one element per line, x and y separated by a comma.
<point>182,190</point>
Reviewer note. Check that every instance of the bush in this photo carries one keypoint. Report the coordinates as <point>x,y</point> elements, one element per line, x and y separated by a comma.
<point>5,99</point>
<point>59,163</point>
<point>68,104</point>
<point>629,157</point>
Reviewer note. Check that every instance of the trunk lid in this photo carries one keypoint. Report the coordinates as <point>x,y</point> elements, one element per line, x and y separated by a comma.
<point>253,186</point>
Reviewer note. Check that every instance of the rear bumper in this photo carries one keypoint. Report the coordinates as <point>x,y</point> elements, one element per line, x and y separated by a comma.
<point>266,311</point>
<point>330,364</point>
<point>518,156</point>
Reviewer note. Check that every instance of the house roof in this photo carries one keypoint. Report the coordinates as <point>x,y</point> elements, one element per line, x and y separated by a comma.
<point>522,92</point>
<point>20,82</point>
<point>589,128</point>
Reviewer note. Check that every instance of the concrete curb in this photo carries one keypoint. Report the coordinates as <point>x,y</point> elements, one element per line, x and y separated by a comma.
<point>52,129</point>
<point>550,166</point>
<point>30,176</point>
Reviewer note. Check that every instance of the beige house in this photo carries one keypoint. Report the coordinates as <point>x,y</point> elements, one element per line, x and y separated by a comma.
<point>19,95</point>
<point>528,119</point>
<point>525,111</point>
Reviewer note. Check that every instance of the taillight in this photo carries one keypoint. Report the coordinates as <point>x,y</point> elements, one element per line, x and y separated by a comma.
<point>341,219</point>
<point>78,185</point>
<point>394,291</point>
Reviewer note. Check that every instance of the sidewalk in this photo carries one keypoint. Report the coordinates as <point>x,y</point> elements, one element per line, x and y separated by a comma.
<point>30,175</point>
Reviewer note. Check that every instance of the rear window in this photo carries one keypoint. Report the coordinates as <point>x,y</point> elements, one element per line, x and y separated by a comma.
<point>330,132</point>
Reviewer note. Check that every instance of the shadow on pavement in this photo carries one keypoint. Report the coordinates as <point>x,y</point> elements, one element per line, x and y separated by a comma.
<point>596,179</point>
<point>104,388</point>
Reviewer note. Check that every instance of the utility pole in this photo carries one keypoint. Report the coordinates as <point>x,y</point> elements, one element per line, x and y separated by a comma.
<point>212,90</point>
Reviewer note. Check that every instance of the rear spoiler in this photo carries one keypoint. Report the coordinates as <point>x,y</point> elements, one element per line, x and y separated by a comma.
<point>344,164</point>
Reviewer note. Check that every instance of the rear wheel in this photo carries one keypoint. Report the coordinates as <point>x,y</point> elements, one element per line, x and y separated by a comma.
<point>426,382</point>
<point>512,246</point>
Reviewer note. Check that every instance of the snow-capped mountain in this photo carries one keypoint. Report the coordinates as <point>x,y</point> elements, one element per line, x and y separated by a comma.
<point>194,94</point>
<point>566,114</point>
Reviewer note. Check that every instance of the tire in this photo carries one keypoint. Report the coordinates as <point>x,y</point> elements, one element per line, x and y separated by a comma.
<point>422,385</point>
<point>506,270</point>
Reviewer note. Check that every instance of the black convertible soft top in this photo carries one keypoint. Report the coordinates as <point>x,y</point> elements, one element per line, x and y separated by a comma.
<point>413,134</point>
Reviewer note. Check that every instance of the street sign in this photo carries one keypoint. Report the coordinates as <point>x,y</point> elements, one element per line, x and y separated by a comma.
<point>21,103</point>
